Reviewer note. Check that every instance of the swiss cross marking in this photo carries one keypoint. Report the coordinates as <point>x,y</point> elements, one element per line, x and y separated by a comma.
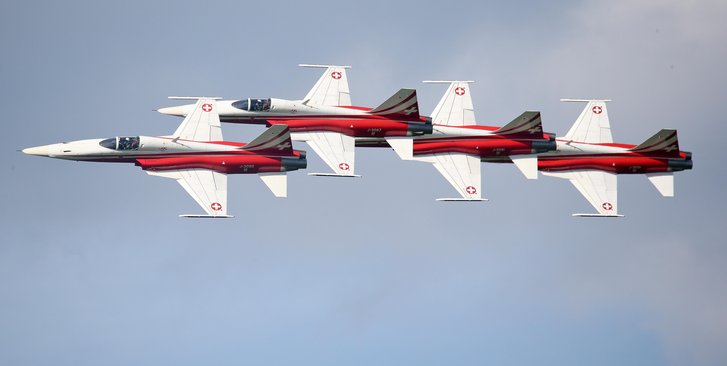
<point>216,206</point>
<point>410,110</point>
<point>206,107</point>
<point>607,206</point>
<point>343,166</point>
<point>597,109</point>
<point>459,90</point>
<point>283,146</point>
<point>336,75</point>
<point>670,148</point>
<point>535,129</point>
<point>471,190</point>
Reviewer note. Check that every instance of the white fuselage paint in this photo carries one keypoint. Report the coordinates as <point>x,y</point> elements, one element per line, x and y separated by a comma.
<point>279,108</point>
<point>91,150</point>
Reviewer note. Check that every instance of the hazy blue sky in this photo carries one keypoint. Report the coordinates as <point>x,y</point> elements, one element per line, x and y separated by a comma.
<point>96,268</point>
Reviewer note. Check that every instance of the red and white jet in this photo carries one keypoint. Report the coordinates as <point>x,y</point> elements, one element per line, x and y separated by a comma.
<point>195,156</point>
<point>588,157</point>
<point>457,144</point>
<point>326,120</point>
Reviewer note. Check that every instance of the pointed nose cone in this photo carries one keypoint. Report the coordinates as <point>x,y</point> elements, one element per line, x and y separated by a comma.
<point>38,150</point>
<point>180,110</point>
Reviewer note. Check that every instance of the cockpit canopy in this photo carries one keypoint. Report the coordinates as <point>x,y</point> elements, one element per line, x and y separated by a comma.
<point>253,104</point>
<point>121,143</point>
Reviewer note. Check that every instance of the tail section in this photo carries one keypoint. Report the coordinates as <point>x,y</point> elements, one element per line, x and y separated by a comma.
<point>403,106</point>
<point>276,182</point>
<point>527,164</point>
<point>664,183</point>
<point>274,141</point>
<point>455,108</point>
<point>665,143</point>
<point>331,89</point>
<point>527,124</point>
<point>592,126</point>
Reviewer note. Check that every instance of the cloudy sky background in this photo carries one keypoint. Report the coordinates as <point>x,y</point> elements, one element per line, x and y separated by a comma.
<point>96,268</point>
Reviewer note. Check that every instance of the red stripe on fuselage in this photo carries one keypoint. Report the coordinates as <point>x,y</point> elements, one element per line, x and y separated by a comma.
<point>612,164</point>
<point>374,127</point>
<point>492,146</point>
<point>222,164</point>
<point>134,158</point>
<point>303,117</point>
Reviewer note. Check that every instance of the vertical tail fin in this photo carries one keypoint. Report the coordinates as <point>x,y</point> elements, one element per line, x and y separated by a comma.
<point>403,106</point>
<point>528,124</point>
<point>331,89</point>
<point>455,108</point>
<point>274,141</point>
<point>592,125</point>
<point>664,142</point>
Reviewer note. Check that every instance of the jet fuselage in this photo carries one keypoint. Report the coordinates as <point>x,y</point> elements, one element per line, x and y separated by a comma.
<point>612,158</point>
<point>301,118</point>
<point>165,153</point>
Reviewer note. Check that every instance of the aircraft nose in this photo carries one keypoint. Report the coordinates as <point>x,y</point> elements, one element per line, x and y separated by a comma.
<point>38,150</point>
<point>180,110</point>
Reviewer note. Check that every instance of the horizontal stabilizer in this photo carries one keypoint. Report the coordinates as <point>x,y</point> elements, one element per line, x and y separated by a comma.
<point>527,124</point>
<point>277,182</point>
<point>664,142</point>
<point>403,146</point>
<point>528,164</point>
<point>664,183</point>
<point>403,106</point>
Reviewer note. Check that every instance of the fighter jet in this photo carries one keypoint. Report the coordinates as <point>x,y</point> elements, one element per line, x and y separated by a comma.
<point>457,144</point>
<point>588,157</point>
<point>195,156</point>
<point>326,120</point>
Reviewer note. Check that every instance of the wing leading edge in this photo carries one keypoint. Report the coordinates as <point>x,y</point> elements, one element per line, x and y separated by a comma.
<point>598,187</point>
<point>207,187</point>
<point>461,171</point>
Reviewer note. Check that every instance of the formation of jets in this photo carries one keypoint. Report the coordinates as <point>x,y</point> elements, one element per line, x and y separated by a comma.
<point>197,156</point>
